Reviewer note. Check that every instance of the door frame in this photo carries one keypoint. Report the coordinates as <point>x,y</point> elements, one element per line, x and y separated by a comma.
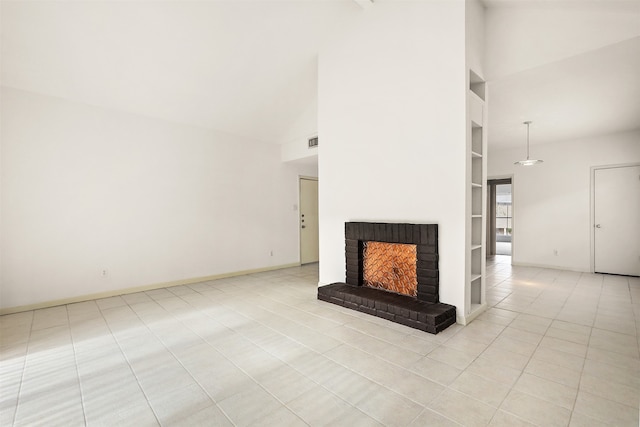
<point>300,178</point>
<point>512,178</point>
<point>592,202</point>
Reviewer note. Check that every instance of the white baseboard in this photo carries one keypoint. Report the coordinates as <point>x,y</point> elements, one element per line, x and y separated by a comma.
<point>552,267</point>
<point>465,320</point>
<point>125,291</point>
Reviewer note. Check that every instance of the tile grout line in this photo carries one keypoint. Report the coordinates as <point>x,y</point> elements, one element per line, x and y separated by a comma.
<point>75,359</point>
<point>174,355</point>
<point>299,296</point>
<point>366,377</point>
<point>24,368</point>
<point>512,387</point>
<point>531,357</point>
<point>287,364</point>
<point>445,386</point>
<point>606,363</point>
<point>115,337</point>
<point>312,380</point>
<point>573,407</point>
<point>221,354</point>
<point>499,407</point>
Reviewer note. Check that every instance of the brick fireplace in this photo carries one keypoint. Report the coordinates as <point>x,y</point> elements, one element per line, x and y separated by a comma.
<point>392,272</point>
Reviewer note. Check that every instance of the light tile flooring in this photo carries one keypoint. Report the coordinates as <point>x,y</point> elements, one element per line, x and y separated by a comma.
<point>556,348</point>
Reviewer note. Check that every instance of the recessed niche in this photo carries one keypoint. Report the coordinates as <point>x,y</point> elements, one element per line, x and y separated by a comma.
<point>476,232</point>
<point>476,265</point>
<point>476,291</point>
<point>476,171</point>
<point>476,139</point>
<point>476,84</point>
<point>476,201</point>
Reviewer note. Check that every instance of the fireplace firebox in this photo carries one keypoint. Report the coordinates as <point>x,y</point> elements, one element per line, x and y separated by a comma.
<point>390,266</point>
<point>392,272</point>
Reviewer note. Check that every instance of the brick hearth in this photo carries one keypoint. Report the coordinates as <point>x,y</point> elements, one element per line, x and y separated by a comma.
<point>408,311</point>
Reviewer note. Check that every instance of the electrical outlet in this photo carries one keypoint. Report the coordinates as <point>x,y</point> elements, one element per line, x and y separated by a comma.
<point>555,252</point>
<point>105,273</point>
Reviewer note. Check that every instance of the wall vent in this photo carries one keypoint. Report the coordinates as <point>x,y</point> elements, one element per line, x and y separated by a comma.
<point>313,142</point>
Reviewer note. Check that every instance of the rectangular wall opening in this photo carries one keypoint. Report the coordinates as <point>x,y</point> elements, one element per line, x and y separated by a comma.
<point>500,217</point>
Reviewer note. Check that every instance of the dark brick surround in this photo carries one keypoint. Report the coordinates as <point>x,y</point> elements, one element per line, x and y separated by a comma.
<point>424,312</point>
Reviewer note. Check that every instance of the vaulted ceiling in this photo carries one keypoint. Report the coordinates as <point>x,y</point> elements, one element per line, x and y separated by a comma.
<point>243,67</point>
<point>572,67</point>
<point>249,67</point>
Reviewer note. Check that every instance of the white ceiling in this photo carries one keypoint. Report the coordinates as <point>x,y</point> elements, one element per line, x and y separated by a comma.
<point>249,67</point>
<point>594,93</point>
<point>572,67</point>
<point>243,67</point>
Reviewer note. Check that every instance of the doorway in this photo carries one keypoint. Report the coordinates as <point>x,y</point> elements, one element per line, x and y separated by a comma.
<point>616,220</point>
<point>500,217</point>
<point>309,237</point>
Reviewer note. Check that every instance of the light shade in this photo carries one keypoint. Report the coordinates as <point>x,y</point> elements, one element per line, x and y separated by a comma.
<point>527,161</point>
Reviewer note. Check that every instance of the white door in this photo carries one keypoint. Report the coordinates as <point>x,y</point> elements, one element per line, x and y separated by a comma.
<point>309,251</point>
<point>617,220</point>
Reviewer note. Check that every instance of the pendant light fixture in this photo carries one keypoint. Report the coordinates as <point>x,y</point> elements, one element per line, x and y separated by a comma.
<point>528,161</point>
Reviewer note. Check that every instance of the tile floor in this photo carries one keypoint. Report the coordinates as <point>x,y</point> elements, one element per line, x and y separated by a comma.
<point>556,348</point>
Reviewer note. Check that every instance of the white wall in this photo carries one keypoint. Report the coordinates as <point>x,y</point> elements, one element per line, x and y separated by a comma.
<point>298,148</point>
<point>392,123</point>
<point>474,35</point>
<point>552,200</point>
<point>86,189</point>
<point>295,144</point>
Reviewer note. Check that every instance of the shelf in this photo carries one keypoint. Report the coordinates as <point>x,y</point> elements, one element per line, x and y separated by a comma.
<point>476,96</point>
<point>476,200</point>
<point>476,203</point>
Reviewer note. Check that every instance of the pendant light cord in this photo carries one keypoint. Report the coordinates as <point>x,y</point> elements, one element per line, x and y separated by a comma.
<point>528,123</point>
<point>528,161</point>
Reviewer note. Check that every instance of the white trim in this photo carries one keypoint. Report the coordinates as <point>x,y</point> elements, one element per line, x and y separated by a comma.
<point>513,210</point>
<point>478,309</point>
<point>552,267</point>
<point>117,292</point>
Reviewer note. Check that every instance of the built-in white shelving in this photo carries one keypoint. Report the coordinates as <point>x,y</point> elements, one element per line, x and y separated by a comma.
<point>476,200</point>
